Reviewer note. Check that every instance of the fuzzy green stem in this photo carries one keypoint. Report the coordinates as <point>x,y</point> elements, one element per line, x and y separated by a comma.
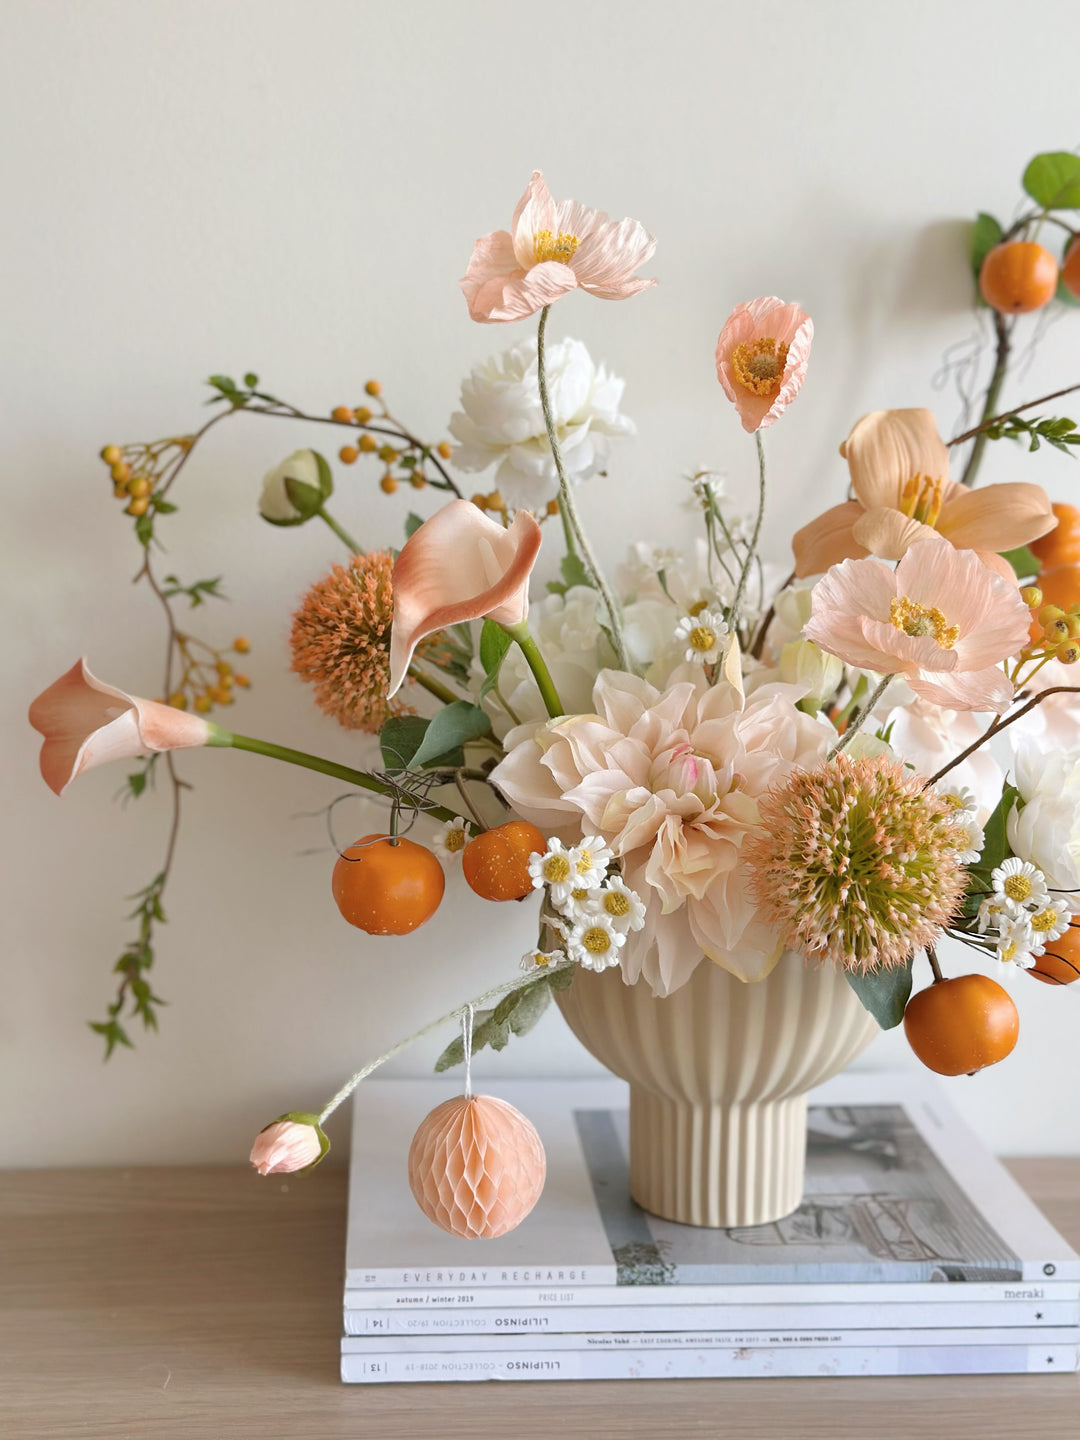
<point>567,508</point>
<point>538,665</point>
<point>361,778</point>
<point>497,993</point>
<point>740,589</point>
<point>340,531</point>
<point>855,725</point>
<point>435,687</point>
<point>997,379</point>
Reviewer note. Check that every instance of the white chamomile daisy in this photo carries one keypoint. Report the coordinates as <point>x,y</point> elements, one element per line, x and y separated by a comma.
<point>542,959</point>
<point>959,798</point>
<point>994,910</point>
<point>1021,882</point>
<point>452,839</point>
<point>974,839</point>
<point>594,943</point>
<point>1048,924</point>
<point>1016,941</point>
<point>704,635</point>
<point>590,860</point>
<point>623,906</point>
<point>554,868</point>
<point>578,904</point>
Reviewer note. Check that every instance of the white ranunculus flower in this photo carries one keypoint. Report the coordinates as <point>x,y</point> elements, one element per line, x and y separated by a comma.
<point>501,422</point>
<point>817,673</point>
<point>1046,830</point>
<point>274,504</point>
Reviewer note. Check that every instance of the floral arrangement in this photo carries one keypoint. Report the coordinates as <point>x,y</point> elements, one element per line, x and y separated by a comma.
<point>693,761</point>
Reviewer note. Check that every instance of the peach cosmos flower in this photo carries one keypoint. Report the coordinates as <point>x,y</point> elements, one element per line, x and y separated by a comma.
<point>670,780</point>
<point>902,493</point>
<point>942,619</point>
<point>552,247</point>
<point>459,566</point>
<point>761,358</point>
<point>86,723</point>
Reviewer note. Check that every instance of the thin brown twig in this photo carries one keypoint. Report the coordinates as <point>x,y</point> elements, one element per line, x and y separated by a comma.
<point>1007,414</point>
<point>1000,724</point>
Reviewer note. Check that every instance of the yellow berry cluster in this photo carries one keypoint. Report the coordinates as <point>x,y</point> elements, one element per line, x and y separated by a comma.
<point>1060,638</point>
<point>208,678</point>
<point>409,457</point>
<point>137,471</point>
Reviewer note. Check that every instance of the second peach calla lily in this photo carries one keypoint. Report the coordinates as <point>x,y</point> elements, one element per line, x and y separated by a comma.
<point>86,723</point>
<point>902,494</point>
<point>459,566</point>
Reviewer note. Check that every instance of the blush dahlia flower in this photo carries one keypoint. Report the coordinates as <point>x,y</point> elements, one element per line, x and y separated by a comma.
<point>856,863</point>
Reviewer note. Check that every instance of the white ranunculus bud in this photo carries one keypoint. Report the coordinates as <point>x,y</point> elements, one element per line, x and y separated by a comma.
<point>805,664</point>
<point>293,491</point>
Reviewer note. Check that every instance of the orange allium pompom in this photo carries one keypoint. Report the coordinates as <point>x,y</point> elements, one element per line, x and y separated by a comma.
<point>341,641</point>
<point>856,863</point>
<point>476,1167</point>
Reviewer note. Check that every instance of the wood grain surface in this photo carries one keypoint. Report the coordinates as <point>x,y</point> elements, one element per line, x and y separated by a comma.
<point>204,1302</point>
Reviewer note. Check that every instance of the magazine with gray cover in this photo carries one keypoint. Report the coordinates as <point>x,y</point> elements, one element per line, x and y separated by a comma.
<point>900,1195</point>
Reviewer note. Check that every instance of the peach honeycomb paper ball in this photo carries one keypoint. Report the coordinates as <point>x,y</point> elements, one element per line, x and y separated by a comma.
<point>476,1167</point>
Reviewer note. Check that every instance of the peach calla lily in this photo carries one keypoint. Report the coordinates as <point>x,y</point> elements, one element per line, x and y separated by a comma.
<point>459,566</point>
<point>902,493</point>
<point>761,358</point>
<point>553,247</point>
<point>86,723</point>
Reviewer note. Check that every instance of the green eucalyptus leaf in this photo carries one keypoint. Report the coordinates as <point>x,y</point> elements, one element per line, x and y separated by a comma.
<point>452,727</point>
<point>561,979</point>
<point>1022,561</point>
<point>985,234</point>
<point>884,993</point>
<point>412,524</point>
<point>493,1033</point>
<point>400,738</point>
<point>535,999</point>
<point>1053,180</point>
<point>494,643</point>
<point>573,571</point>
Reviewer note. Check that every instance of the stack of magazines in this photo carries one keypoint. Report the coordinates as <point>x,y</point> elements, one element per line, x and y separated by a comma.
<point>914,1253</point>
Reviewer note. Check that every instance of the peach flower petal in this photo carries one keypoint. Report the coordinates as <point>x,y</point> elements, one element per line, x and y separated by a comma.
<point>767,317</point>
<point>887,447</point>
<point>889,534</point>
<point>827,540</point>
<point>1000,517</point>
<point>459,566</point>
<point>88,723</point>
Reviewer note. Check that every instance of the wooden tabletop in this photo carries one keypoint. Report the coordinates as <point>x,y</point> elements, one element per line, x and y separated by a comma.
<point>204,1302</point>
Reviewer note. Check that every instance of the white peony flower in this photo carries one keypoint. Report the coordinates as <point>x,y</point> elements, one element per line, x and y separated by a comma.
<point>1046,829</point>
<point>274,504</point>
<point>501,422</point>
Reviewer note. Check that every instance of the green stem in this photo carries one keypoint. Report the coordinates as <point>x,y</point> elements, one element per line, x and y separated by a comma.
<point>740,589</point>
<point>530,978</point>
<point>435,687</point>
<point>568,510</point>
<point>568,534</point>
<point>856,724</point>
<point>218,736</point>
<point>538,666</point>
<point>997,379</point>
<point>339,531</point>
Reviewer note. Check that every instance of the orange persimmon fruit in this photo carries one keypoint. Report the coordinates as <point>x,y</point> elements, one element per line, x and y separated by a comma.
<point>1070,269</point>
<point>1061,546</point>
<point>1018,276</point>
<point>495,863</point>
<point>1061,963</point>
<point>961,1025</point>
<point>387,886</point>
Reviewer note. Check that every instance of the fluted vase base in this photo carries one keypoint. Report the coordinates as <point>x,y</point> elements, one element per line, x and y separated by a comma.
<point>719,1165</point>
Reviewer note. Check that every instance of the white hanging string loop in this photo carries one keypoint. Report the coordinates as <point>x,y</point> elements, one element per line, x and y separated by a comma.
<point>466,1041</point>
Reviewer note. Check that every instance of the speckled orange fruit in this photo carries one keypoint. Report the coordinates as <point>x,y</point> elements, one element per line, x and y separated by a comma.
<point>961,1025</point>
<point>496,863</point>
<point>387,886</point>
<point>1061,963</point>
<point>1018,276</point>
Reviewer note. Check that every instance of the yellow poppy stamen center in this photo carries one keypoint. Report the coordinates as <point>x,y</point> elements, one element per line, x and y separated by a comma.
<point>759,366</point>
<point>455,840</point>
<point>915,619</point>
<point>549,246</point>
<point>1018,887</point>
<point>596,941</point>
<point>556,869</point>
<point>702,639</point>
<point>921,499</point>
<point>616,903</point>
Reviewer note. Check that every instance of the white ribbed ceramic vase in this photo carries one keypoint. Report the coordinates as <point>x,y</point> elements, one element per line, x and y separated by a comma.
<point>718,1076</point>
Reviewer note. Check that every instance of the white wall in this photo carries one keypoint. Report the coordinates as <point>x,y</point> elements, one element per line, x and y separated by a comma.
<point>295,187</point>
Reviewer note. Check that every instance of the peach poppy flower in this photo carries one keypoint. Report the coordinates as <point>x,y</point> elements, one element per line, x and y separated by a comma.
<point>942,619</point>
<point>459,566</point>
<point>86,723</point>
<point>761,358</point>
<point>902,493</point>
<point>552,247</point>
